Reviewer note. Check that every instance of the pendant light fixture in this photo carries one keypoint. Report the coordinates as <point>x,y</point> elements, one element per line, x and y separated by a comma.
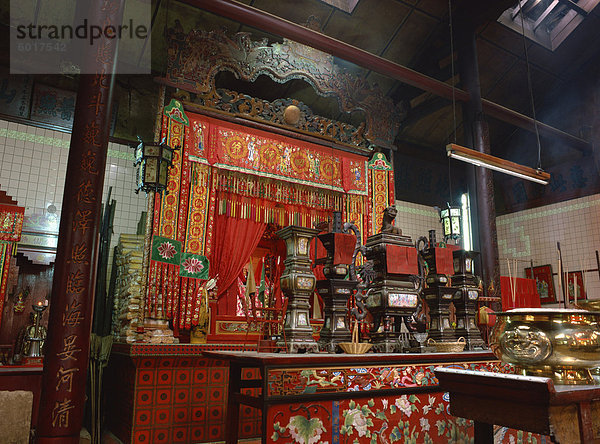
<point>494,163</point>
<point>458,152</point>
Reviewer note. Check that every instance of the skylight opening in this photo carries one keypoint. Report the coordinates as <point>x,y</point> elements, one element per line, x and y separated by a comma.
<point>547,22</point>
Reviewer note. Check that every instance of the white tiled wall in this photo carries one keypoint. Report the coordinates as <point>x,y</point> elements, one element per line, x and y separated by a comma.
<point>533,234</point>
<point>416,220</point>
<point>33,167</point>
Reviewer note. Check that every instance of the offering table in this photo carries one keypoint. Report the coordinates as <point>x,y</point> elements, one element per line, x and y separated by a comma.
<point>348,398</point>
<point>570,413</point>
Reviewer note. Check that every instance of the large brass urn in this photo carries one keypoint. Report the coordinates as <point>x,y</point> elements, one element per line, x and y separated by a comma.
<point>561,344</point>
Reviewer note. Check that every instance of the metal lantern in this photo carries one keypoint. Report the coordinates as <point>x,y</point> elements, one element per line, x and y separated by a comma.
<point>152,161</point>
<point>450,217</point>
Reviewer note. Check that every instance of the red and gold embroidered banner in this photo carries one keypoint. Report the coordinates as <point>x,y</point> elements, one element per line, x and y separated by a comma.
<point>198,208</point>
<point>11,222</point>
<point>238,148</point>
<point>173,133</point>
<point>382,190</point>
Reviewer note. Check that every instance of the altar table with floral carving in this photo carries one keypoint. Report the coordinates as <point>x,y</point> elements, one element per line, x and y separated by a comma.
<point>341,398</point>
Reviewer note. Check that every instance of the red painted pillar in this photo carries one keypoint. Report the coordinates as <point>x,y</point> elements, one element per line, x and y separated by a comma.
<point>67,348</point>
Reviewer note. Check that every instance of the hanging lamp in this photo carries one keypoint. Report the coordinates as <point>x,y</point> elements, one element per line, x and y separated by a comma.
<point>477,158</point>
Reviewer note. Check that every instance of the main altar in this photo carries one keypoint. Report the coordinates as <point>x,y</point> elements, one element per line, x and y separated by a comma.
<point>243,168</point>
<point>244,175</point>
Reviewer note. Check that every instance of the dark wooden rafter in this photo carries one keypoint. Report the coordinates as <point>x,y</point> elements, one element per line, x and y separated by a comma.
<point>276,25</point>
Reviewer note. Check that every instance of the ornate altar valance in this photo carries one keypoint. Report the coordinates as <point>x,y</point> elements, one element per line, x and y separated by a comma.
<point>279,192</point>
<point>195,58</point>
<point>237,148</point>
<point>266,200</point>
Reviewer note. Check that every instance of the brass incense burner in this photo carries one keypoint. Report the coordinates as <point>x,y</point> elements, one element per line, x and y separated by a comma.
<point>561,344</point>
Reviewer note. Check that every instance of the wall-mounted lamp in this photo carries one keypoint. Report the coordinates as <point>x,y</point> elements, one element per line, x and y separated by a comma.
<point>494,163</point>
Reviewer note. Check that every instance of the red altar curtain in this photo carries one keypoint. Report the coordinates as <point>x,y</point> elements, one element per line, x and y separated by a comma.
<point>234,240</point>
<point>518,293</point>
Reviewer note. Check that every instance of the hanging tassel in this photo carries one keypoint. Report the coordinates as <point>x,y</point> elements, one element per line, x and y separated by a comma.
<point>167,303</point>
<point>188,314</point>
<point>193,300</point>
<point>176,300</point>
<point>161,291</point>
<point>197,302</point>
<point>183,303</point>
<point>151,293</point>
<point>172,290</point>
<point>154,288</point>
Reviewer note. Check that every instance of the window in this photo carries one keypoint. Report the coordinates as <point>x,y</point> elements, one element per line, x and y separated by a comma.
<point>466,222</point>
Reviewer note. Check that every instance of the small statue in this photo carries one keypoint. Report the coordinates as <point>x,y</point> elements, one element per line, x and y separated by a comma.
<point>29,334</point>
<point>387,225</point>
<point>20,298</point>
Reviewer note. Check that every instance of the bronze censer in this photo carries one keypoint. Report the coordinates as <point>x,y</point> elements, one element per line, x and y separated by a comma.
<point>562,344</point>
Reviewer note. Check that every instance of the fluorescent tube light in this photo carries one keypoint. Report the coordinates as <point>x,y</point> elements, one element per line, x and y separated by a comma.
<point>494,163</point>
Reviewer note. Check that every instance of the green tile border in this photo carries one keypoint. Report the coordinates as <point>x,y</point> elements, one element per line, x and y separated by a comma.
<point>53,141</point>
<point>505,220</point>
<point>120,154</point>
<point>26,137</point>
<point>431,213</point>
<point>525,241</point>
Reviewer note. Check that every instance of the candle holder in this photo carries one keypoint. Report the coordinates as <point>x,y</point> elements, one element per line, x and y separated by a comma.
<point>395,291</point>
<point>34,337</point>
<point>467,282</point>
<point>440,297</point>
<point>335,289</point>
<point>298,284</point>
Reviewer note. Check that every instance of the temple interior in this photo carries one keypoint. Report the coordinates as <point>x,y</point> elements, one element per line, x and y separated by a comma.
<point>300,221</point>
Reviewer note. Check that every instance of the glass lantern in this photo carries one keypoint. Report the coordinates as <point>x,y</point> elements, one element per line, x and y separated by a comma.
<point>152,162</point>
<point>450,217</point>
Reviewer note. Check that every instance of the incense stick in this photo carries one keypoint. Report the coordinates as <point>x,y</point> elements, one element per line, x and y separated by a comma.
<point>560,276</point>
<point>566,281</point>
<point>510,283</point>
<point>516,264</point>
<point>582,274</point>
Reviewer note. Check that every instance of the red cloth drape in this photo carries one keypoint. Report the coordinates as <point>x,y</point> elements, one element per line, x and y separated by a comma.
<point>344,248</point>
<point>234,240</point>
<point>401,259</point>
<point>444,261</point>
<point>524,290</point>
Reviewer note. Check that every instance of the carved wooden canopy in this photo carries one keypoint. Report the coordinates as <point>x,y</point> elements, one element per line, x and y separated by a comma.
<point>195,58</point>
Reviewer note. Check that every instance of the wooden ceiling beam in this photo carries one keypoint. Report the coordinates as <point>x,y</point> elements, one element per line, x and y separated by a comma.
<point>276,25</point>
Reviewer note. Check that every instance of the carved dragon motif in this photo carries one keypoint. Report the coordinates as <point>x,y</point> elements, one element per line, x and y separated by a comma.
<point>195,58</point>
